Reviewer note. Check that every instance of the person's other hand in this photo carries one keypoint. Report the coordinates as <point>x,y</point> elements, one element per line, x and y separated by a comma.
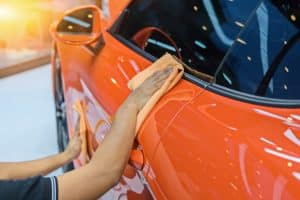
<point>74,147</point>
<point>143,93</point>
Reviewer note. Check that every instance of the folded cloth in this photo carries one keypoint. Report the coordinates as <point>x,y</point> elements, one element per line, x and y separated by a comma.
<point>165,61</point>
<point>80,108</point>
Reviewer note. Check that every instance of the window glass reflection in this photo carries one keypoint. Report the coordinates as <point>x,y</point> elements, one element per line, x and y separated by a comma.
<point>263,61</point>
<point>79,22</point>
<point>202,30</point>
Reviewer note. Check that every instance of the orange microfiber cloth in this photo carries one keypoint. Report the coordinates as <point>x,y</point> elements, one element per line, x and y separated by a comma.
<point>165,61</point>
<point>80,108</point>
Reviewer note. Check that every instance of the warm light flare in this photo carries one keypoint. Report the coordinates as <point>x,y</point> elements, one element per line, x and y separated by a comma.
<point>22,21</point>
<point>7,12</point>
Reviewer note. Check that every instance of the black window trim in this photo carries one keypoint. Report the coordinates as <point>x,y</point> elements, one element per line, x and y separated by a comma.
<point>213,87</point>
<point>252,99</point>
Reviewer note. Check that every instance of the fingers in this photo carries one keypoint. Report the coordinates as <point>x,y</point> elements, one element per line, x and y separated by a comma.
<point>144,92</point>
<point>77,127</point>
<point>168,70</point>
<point>162,74</point>
<point>74,148</point>
<point>159,77</point>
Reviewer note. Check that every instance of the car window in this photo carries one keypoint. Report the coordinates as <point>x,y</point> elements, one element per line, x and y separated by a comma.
<point>199,32</point>
<point>78,22</point>
<point>264,59</point>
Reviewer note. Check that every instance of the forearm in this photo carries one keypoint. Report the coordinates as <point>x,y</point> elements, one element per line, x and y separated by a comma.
<point>108,162</point>
<point>22,170</point>
<point>115,149</point>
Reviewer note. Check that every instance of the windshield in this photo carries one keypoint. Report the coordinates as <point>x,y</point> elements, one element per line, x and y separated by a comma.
<point>264,59</point>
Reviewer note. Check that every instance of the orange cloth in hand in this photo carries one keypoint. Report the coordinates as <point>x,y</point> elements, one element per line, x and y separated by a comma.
<point>165,61</point>
<point>80,108</point>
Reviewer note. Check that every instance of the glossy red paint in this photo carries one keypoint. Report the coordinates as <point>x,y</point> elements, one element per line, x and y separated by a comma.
<point>196,144</point>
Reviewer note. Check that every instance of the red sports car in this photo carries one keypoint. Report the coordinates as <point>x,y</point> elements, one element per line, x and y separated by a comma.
<point>229,130</point>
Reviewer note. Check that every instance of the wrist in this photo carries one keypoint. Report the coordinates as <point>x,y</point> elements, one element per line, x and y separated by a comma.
<point>65,157</point>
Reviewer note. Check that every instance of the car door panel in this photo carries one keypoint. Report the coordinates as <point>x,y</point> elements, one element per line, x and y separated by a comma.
<point>220,148</point>
<point>160,118</point>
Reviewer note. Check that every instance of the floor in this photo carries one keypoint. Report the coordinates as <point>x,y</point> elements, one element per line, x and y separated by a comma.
<point>27,116</point>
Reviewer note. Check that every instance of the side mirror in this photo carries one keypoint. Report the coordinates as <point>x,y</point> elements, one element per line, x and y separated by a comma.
<point>80,26</point>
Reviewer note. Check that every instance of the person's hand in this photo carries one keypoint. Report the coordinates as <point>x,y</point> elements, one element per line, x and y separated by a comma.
<point>74,147</point>
<point>143,93</point>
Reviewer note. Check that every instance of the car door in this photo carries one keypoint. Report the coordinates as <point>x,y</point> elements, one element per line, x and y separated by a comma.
<point>231,142</point>
<point>203,45</point>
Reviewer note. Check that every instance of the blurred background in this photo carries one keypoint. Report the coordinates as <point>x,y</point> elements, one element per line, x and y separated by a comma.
<point>24,34</point>
<point>28,129</point>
